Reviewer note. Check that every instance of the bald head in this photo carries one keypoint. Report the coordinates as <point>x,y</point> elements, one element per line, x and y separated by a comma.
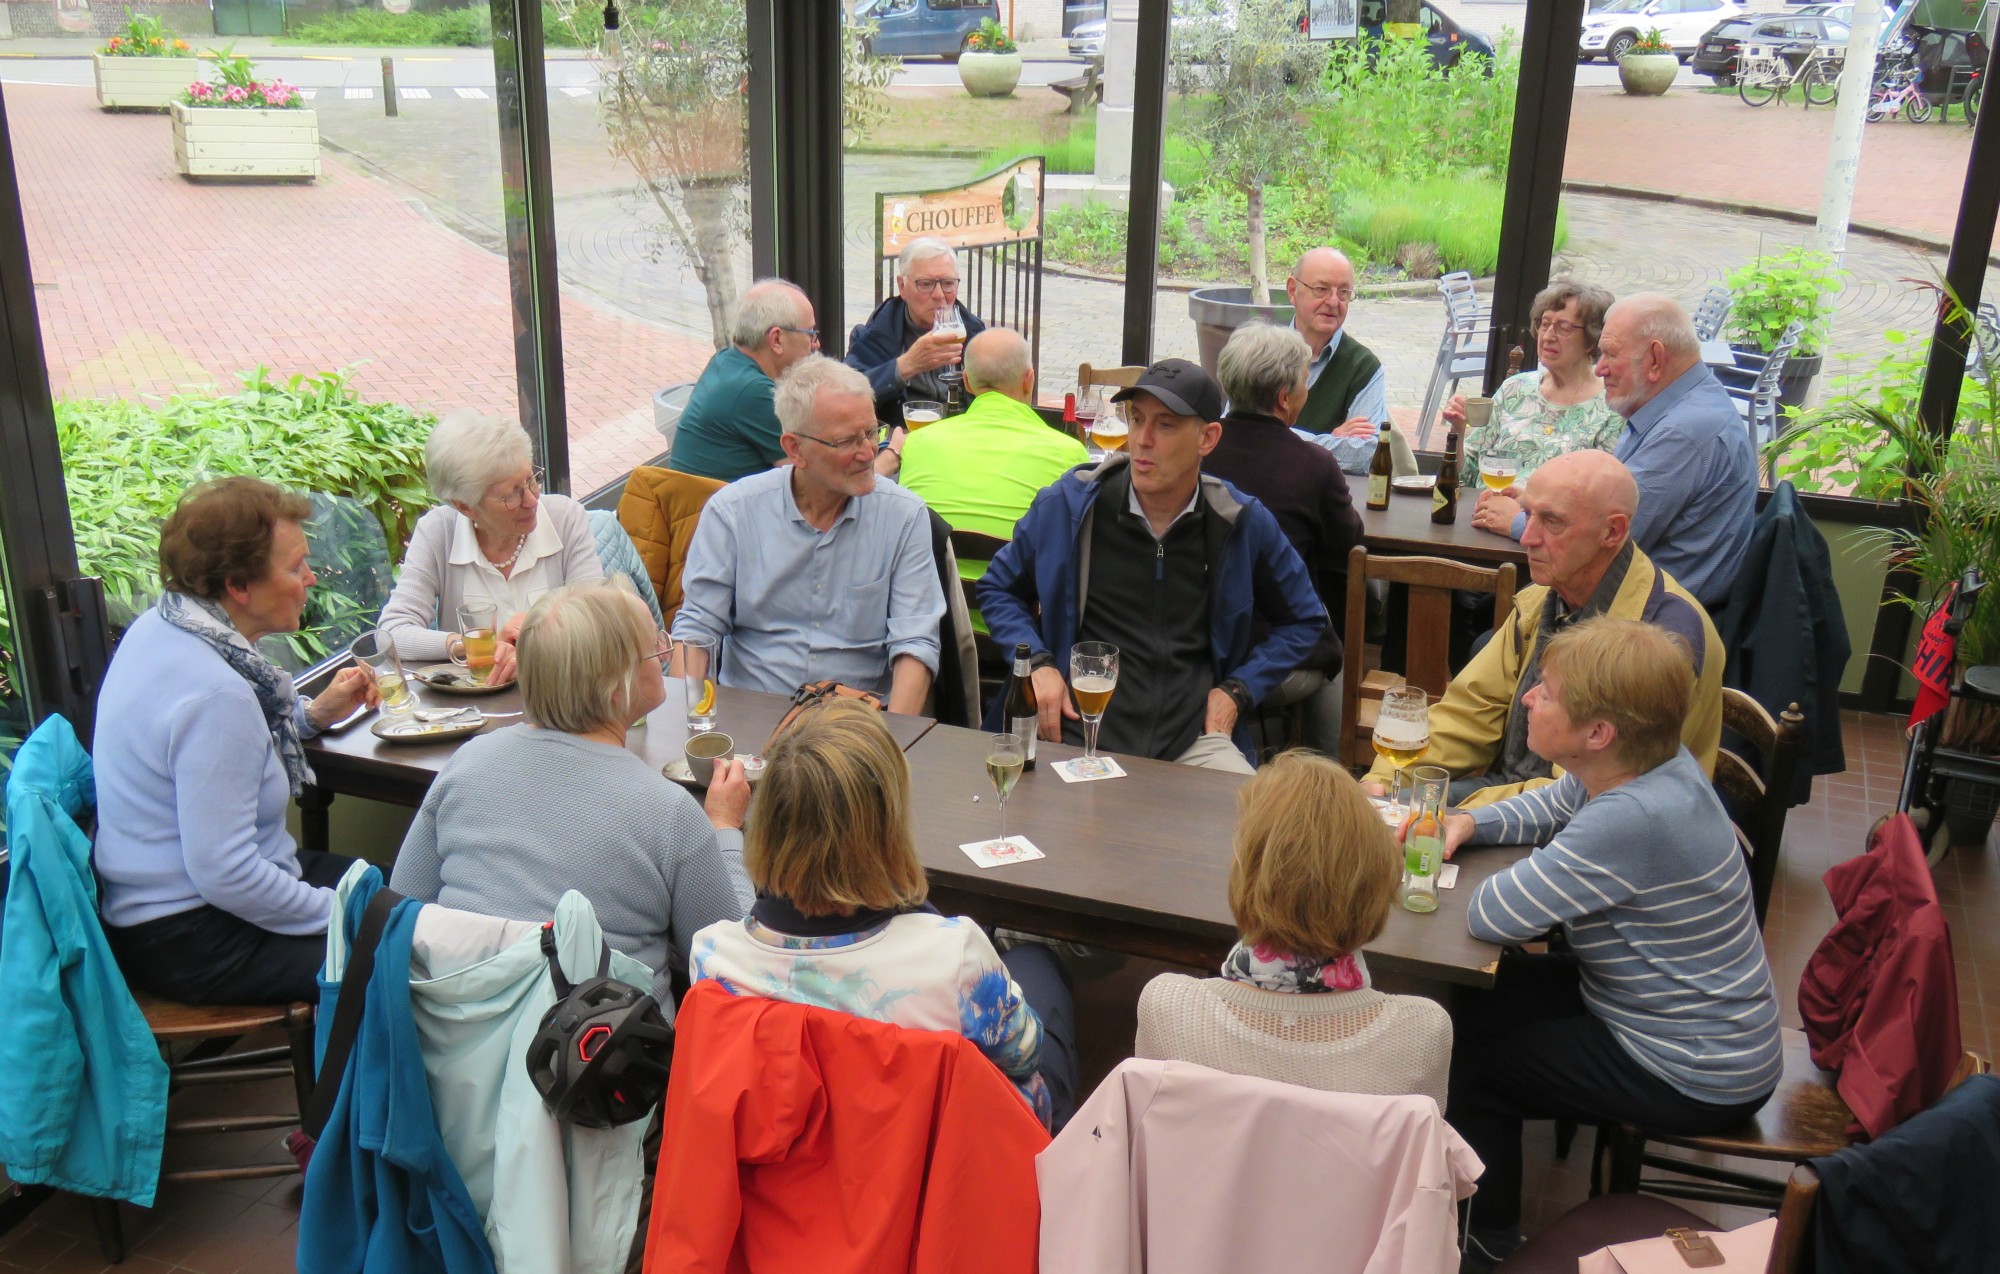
<point>1321,288</point>
<point>1648,343</point>
<point>1580,508</point>
<point>1320,258</point>
<point>997,360</point>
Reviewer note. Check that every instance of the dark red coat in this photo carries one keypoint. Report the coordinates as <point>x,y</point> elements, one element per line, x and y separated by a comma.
<point>1880,996</point>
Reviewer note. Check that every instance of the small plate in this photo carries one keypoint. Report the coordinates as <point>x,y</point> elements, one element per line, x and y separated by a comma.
<point>1414,484</point>
<point>451,679</point>
<point>679,772</point>
<point>411,730</point>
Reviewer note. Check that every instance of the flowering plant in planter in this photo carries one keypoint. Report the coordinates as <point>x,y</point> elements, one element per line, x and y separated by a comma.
<point>146,38</point>
<point>240,87</point>
<point>1654,41</point>
<point>990,37</point>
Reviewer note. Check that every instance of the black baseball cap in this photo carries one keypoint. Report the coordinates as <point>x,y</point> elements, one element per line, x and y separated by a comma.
<point>1182,386</point>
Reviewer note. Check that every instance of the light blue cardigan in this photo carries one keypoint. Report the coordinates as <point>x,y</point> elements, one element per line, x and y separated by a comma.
<point>83,1089</point>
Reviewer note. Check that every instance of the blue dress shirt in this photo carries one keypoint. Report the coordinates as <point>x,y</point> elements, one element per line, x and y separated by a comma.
<point>1690,453</point>
<point>792,604</point>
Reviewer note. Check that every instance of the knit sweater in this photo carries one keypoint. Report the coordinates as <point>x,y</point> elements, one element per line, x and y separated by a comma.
<point>517,817</point>
<point>1649,884</point>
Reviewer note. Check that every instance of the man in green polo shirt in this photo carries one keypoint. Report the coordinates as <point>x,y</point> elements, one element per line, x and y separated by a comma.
<point>728,429</point>
<point>980,470</point>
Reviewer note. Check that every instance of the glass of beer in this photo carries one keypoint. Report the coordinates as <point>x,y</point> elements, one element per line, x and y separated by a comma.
<point>478,640</point>
<point>1402,732</point>
<point>918,412</point>
<point>1093,675</point>
<point>1498,470</point>
<point>376,651</point>
<point>1109,429</point>
<point>948,323</point>
<point>698,670</point>
<point>1003,769</point>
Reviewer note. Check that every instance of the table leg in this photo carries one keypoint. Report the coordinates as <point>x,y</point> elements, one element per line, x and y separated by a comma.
<point>313,829</point>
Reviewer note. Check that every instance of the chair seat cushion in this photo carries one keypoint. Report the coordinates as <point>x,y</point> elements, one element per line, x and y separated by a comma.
<point>1599,1222</point>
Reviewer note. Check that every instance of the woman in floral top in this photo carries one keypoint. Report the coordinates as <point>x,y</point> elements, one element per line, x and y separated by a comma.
<point>841,923</point>
<point>1539,415</point>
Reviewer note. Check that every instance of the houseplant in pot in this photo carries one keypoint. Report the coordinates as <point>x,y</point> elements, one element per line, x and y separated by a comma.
<point>991,63</point>
<point>241,126</point>
<point>1648,67</point>
<point>1250,89</point>
<point>1768,294</point>
<point>143,67</point>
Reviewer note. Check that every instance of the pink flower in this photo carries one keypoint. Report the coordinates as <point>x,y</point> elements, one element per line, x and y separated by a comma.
<point>235,93</point>
<point>1341,975</point>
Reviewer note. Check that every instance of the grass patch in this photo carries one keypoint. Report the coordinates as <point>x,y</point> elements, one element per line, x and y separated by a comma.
<point>1458,215</point>
<point>468,28</point>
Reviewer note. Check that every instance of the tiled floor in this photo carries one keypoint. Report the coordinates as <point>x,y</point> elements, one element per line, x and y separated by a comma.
<point>224,1227</point>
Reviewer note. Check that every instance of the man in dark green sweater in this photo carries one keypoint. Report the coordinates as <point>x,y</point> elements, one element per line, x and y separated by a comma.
<point>1347,399</point>
<point>729,429</point>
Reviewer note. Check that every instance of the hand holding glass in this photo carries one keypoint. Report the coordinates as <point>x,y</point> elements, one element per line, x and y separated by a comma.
<point>1093,675</point>
<point>376,651</point>
<point>1003,769</point>
<point>1402,732</point>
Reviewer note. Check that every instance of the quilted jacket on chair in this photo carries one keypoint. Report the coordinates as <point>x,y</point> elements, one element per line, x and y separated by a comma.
<point>659,511</point>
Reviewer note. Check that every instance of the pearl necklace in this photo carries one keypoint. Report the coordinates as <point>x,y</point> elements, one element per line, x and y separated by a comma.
<point>515,556</point>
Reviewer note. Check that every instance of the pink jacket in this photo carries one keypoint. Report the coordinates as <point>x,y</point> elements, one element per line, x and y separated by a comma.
<point>1171,1167</point>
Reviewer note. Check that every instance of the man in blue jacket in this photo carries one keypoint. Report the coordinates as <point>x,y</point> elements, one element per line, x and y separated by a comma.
<point>895,349</point>
<point>1208,603</point>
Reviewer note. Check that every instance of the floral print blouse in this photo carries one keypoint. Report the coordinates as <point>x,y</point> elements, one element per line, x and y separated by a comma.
<point>1535,430</point>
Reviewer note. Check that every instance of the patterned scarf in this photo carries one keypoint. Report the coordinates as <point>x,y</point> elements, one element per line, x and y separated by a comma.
<point>1273,970</point>
<point>275,693</point>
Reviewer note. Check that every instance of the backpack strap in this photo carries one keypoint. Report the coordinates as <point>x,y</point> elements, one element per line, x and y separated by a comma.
<point>563,985</point>
<point>347,1011</point>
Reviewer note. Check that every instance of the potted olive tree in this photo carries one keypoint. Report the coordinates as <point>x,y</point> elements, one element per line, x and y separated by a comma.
<point>1648,67</point>
<point>991,63</point>
<point>1768,294</point>
<point>1250,89</point>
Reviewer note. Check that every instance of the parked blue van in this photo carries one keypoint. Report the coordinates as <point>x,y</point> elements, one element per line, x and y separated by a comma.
<point>918,28</point>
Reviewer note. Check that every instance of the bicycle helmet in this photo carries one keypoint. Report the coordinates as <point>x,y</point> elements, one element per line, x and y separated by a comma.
<point>603,1051</point>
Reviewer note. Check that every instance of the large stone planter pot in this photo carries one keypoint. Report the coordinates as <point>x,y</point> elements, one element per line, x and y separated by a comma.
<point>1219,311</point>
<point>1648,74</point>
<point>989,74</point>
<point>223,141</point>
<point>149,84</point>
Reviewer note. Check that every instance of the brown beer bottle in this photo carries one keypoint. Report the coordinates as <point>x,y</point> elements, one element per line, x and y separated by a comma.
<point>1444,496</point>
<point>1379,470</point>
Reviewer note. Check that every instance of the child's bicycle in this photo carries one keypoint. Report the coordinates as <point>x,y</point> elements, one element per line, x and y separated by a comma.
<point>1897,93</point>
<point>1768,72</point>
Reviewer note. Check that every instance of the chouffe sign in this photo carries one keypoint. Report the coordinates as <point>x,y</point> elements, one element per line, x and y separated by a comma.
<point>1002,207</point>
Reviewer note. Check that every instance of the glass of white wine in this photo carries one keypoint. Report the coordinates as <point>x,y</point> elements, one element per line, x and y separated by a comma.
<point>1498,471</point>
<point>376,651</point>
<point>1093,675</point>
<point>1402,732</point>
<point>1003,768</point>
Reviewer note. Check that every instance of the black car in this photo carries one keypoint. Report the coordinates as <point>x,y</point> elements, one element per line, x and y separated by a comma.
<point>1716,55</point>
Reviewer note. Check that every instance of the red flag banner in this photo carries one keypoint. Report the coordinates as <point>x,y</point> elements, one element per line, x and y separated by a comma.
<point>1932,668</point>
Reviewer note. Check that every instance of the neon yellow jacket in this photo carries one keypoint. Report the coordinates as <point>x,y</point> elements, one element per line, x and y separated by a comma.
<point>1468,724</point>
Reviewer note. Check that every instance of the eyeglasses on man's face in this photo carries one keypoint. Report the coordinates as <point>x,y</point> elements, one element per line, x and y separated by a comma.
<point>854,442</point>
<point>520,495</point>
<point>1321,291</point>
<point>811,333</point>
<point>934,286</point>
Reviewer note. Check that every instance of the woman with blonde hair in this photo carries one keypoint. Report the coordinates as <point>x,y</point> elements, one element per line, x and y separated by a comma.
<point>841,920</point>
<point>1314,876</point>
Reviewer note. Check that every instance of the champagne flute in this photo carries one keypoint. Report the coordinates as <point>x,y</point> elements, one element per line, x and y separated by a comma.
<point>1003,767</point>
<point>1402,732</point>
<point>1093,675</point>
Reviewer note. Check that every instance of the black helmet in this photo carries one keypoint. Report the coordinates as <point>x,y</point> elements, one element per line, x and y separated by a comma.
<point>601,1056</point>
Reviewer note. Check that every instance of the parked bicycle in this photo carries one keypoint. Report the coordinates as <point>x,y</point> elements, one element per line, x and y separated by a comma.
<point>1951,793</point>
<point>1897,92</point>
<point>1769,72</point>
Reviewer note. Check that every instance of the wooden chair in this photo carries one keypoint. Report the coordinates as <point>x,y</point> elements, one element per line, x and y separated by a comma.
<point>1626,1218</point>
<point>1758,797</point>
<point>994,663</point>
<point>1431,582</point>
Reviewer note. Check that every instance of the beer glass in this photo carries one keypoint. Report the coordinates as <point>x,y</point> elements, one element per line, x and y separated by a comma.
<point>918,412</point>
<point>1109,430</point>
<point>698,678</point>
<point>376,651</point>
<point>1093,675</point>
<point>1402,732</point>
<point>1498,470</point>
<point>478,640</point>
<point>949,323</point>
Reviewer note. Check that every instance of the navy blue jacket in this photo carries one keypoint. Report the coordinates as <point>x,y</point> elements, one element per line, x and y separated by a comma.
<point>1260,574</point>
<point>874,346</point>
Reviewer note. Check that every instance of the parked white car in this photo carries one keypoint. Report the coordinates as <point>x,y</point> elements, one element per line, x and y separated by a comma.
<point>1617,26</point>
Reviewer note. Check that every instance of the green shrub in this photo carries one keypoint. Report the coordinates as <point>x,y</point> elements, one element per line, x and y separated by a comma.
<point>1394,115</point>
<point>470,27</point>
<point>1459,215</point>
<point>1202,237</point>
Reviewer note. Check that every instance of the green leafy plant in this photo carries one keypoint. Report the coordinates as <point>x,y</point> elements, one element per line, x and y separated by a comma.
<point>1392,113</point>
<point>1651,42</point>
<point>1771,292</point>
<point>991,37</point>
<point>145,37</point>
<point>237,86</point>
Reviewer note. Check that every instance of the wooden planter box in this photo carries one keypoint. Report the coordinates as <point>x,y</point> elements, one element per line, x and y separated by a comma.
<point>224,141</point>
<point>149,84</point>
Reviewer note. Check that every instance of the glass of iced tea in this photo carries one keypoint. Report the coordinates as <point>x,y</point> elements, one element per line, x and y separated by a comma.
<point>376,651</point>
<point>478,640</point>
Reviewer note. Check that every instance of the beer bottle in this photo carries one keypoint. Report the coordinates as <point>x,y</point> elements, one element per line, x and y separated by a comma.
<point>1022,717</point>
<point>1379,470</point>
<point>1444,497</point>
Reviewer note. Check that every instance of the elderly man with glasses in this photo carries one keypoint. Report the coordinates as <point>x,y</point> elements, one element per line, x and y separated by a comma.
<point>1347,400</point>
<point>896,349</point>
<point>728,430</point>
<point>814,571</point>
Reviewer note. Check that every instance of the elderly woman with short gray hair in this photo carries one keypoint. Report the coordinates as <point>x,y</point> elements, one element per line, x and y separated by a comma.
<point>495,537</point>
<point>895,349</point>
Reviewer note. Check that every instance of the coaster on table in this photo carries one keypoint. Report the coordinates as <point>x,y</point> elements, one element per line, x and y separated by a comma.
<point>1392,814</point>
<point>1079,770</point>
<point>1447,875</point>
<point>998,853</point>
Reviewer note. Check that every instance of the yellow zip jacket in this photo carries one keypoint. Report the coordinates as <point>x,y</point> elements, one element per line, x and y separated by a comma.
<point>1469,723</point>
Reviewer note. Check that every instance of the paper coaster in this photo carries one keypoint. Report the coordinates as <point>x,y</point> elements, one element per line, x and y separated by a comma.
<point>1078,770</point>
<point>1391,814</point>
<point>998,853</point>
<point>1447,875</point>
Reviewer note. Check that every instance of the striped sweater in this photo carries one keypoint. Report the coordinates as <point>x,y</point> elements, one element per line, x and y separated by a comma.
<point>1649,885</point>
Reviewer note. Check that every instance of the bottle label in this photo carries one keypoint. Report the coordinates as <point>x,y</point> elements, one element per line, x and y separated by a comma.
<point>1378,488</point>
<point>1023,728</point>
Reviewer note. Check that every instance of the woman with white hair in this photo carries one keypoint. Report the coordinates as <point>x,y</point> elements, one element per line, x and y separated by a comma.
<point>518,816</point>
<point>495,537</point>
<point>895,349</point>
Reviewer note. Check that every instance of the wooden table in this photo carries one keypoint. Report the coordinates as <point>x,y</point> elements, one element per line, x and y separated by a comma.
<point>1138,864</point>
<point>1405,529</point>
<point>357,763</point>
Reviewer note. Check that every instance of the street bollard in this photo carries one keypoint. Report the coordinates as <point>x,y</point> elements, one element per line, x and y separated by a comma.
<point>388,86</point>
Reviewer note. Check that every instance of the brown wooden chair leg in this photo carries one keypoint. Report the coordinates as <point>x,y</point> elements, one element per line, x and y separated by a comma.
<point>299,1029</point>
<point>110,1229</point>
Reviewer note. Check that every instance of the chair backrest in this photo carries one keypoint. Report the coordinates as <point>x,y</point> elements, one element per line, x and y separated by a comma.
<point>954,698</point>
<point>1088,377</point>
<point>1427,662</point>
<point>1758,795</point>
<point>1985,351</point>
<point>1712,313</point>
<point>659,511</point>
<point>972,546</point>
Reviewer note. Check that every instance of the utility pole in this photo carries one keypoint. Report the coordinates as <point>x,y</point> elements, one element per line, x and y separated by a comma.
<point>1850,118</point>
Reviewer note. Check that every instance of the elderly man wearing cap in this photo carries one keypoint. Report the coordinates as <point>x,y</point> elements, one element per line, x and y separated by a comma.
<point>1207,601</point>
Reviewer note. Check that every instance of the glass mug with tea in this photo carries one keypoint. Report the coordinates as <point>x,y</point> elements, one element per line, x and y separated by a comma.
<point>376,651</point>
<point>478,640</point>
